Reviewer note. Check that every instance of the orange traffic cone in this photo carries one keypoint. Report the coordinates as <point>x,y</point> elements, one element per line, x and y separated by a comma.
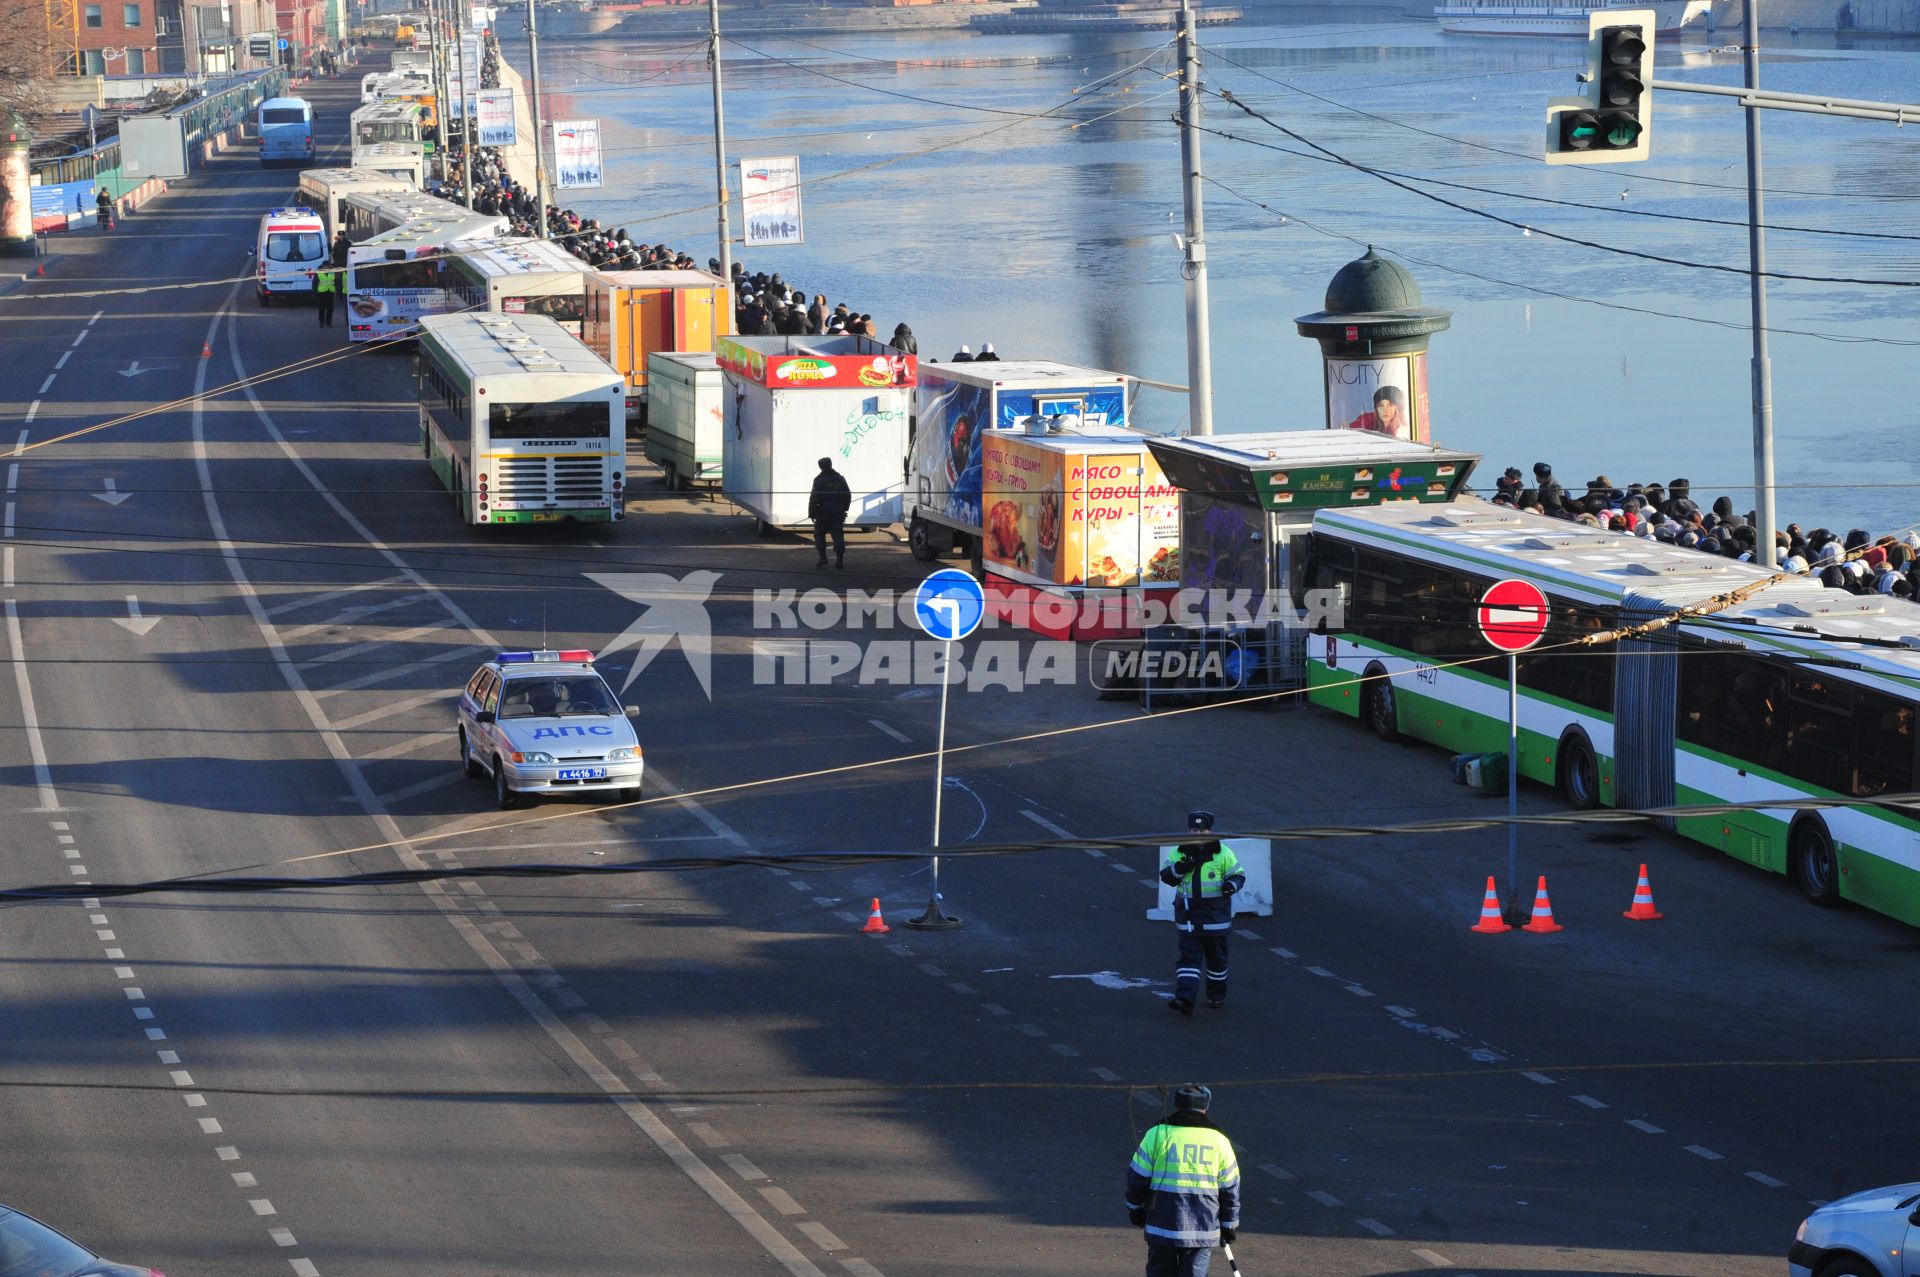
<point>876,925</point>
<point>1542,922</point>
<point>206,350</point>
<point>1491,923</point>
<point>40,268</point>
<point>1643,910</point>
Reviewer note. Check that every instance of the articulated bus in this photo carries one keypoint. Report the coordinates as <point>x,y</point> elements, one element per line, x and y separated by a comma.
<point>522,423</point>
<point>523,277</point>
<point>396,278</point>
<point>363,216</point>
<point>1797,692</point>
<point>325,189</point>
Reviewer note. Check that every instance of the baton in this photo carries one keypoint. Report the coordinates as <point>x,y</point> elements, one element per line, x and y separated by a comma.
<point>1232,1263</point>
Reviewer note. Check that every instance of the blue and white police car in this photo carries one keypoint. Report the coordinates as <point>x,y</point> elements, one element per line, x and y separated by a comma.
<point>546,723</point>
<point>1870,1234</point>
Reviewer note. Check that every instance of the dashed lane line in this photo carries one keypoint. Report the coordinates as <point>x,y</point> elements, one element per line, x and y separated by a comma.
<point>1433,1258</point>
<point>1640,1124</point>
<point>1706,1153</point>
<point>1766,1181</point>
<point>1375,1227</point>
<point>898,735</point>
<point>1587,1100</point>
<point>1541,1078</point>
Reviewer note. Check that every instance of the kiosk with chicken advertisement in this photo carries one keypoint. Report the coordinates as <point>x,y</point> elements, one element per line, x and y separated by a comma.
<point>789,401</point>
<point>1080,518</point>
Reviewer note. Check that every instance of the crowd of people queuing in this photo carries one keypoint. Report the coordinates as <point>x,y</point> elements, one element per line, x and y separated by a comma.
<point>764,305</point>
<point>1855,561</point>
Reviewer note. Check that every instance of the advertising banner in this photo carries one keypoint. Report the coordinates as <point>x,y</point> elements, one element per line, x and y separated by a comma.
<point>576,155</point>
<point>770,201</point>
<point>789,371</point>
<point>1078,515</point>
<point>494,118</point>
<point>1386,394</point>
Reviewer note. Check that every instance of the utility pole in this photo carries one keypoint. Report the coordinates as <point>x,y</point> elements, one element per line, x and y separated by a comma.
<point>1194,245</point>
<point>539,143</point>
<point>466,122</point>
<point>437,42</point>
<point>719,141</point>
<point>1757,267</point>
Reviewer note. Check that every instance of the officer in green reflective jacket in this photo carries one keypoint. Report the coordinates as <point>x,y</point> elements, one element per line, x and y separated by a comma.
<point>1204,875</point>
<point>1183,1188</point>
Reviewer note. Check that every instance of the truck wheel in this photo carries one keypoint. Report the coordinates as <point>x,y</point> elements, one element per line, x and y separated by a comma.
<point>921,541</point>
<point>764,528</point>
<point>671,477</point>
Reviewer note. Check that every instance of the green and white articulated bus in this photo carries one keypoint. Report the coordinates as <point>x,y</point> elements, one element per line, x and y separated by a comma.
<point>1796,692</point>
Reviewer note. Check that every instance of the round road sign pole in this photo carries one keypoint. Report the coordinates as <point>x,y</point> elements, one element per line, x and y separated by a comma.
<point>935,919</point>
<point>1513,616</point>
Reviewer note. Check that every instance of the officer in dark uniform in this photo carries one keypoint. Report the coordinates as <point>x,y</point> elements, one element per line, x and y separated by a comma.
<point>1204,876</point>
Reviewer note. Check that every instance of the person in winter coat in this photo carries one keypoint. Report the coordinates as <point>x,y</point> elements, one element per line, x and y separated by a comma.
<point>1183,1188</point>
<point>904,340</point>
<point>827,506</point>
<point>1204,876</point>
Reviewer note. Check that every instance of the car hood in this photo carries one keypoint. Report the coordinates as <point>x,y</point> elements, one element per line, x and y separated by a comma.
<point>572,734</point>
<point>1873,1199</point>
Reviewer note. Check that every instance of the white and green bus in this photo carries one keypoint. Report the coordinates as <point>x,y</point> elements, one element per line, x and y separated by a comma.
<point>523,277</point>
<point>395,278</point>
<point>522,423</point>
<point>1797,692</point>
<point>326,189</point>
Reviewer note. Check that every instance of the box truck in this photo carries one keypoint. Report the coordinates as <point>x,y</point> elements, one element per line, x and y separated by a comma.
<point>790,401</point>
<point>683,421</point>
<point>632,313</point>
<point>957,405</point>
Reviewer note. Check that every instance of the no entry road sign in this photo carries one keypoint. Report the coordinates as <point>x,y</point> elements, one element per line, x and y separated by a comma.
<point>1513,615</point>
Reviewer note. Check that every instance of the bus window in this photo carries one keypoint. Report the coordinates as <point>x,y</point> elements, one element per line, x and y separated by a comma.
<point>283,115</point>
<point>548,420</point>
<point>1882,739</point>
<point>296,246</point>
<point>418,274</point>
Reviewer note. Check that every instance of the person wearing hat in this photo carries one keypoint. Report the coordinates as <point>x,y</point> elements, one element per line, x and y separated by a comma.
<point>827,506</point>
<point>1183,1188</point>
<point>1204,876</point>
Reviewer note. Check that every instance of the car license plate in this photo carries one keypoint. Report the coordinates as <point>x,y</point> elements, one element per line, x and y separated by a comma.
<point>582,773</point>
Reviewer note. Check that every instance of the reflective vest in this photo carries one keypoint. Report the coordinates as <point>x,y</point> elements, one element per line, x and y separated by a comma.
<point>1201,899</point>
<point>1186,1175</point>
<point>326,280</point>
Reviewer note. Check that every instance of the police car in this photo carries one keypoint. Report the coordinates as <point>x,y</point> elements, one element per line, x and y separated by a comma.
<point>546,723</point>
<point>1870,1234</point>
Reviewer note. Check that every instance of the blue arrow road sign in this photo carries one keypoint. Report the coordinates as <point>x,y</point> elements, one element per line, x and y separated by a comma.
<point>283,42</point>
<point>949,604</point>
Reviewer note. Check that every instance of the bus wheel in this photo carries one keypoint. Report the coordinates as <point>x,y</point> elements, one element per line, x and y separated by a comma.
<point>1815,867</point>
<point>1383,715</point>
<point>1579,774</point>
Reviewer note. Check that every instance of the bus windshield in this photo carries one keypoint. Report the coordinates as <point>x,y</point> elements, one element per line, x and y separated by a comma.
<point>548,420</point>
<point>283,115</point>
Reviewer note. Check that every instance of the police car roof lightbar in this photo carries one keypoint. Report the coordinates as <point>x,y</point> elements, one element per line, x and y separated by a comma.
<point>573,656</point>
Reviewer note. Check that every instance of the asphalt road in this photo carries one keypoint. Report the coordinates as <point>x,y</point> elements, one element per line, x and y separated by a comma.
<point>710,1070</point>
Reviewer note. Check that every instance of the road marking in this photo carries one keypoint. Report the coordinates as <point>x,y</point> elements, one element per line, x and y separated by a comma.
<point>210,1126</point>
<point>13,476</point>
<point>708,1135</point>
<point>902,737</point>
<point>353,616</point>
<point>1063,1049</point>
<point>1374,1226</point>
<point>29,717</point>
<point>994,1008</point>
<point>1433,1258</point>
<point>1278,952</point>
<point>1278,1172</point>
<point>821,1235</point>
<point>227,1153</point>
<point>1246,934</point>
<point>1106,1075</point>
<point>262,1206</point>
<point>1766,1180</point>
<point>1322,972</point>
<point>860,1268</point>
<point>6,565</point>
<point>418,788</point>
<point>46,385</point>
<point>401,670</point>
<point>933,971</point>
<point>1447,1034</point>
<point>9,520</point>
<point>20,446</point>
<point>303,1268</point>
<point>742,1167</point>
<point>1707,1153</point>
<point>133,623</point>
<point>1046,824</point>
<point>413,745</point>
<point>314,600</point>
<point>1589,1101</point>
<point>1325,1199</point>
<point>1541,1078</point>
<point>965,990</point>
<point>1639,1125</point>
<point>281,1236</point>
<point>374,645</point>
<point>1113,865</point>
<point>245,1179</point>
<point>1359,991</point>
<point>1031,1030</point>
<point>61,362</point>
<point>781,1200</point>
<point>391,707</point>
<point>134,993</point>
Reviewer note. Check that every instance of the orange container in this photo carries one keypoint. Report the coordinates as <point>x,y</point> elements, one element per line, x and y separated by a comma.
<point>630,314</point>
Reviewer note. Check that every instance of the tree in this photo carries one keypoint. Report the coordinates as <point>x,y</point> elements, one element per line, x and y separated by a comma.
<point>30,58</point>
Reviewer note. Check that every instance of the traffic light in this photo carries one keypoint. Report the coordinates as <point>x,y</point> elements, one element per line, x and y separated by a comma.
<point>1613,122</point>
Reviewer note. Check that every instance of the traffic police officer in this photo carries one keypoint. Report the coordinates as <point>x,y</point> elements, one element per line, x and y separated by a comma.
<point>1183,1188</point>
<point>1204,876</point>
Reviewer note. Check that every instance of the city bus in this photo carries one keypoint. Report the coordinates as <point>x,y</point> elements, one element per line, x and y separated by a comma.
<point>406,161</point>
<point>285,126</point>
<point>364,215</point>
<point>521,422</point>
<point>1796,692</point>
<point>324,189</point>
<point>388,120</point>
<point>396,278</point>
<point>523,277</point>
